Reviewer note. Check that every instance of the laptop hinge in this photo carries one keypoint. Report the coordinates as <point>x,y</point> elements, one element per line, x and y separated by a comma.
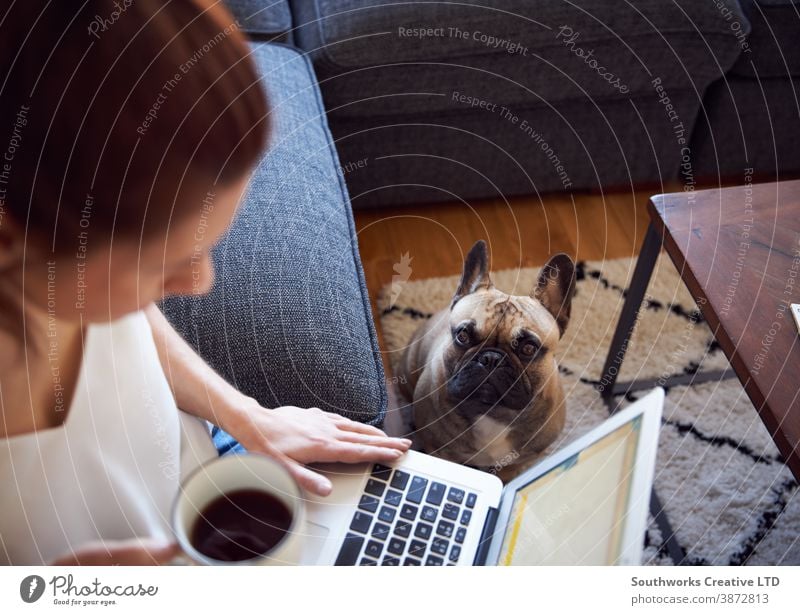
<point>486,538</point>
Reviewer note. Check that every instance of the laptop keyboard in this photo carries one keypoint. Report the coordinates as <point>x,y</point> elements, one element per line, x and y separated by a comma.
<point>407,520</point>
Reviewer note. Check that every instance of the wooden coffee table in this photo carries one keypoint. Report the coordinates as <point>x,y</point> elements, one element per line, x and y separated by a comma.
<point>738,252</point>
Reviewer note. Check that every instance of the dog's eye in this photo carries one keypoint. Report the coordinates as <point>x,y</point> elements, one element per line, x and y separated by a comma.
<point>464,334</point>
<point>529,349</point>
<point>462,337</point>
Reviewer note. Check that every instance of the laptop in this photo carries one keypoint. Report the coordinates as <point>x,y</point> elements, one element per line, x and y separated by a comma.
<point>586,504</point>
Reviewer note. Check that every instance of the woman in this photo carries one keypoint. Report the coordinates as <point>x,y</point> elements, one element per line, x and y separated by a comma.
<point>128,131</point>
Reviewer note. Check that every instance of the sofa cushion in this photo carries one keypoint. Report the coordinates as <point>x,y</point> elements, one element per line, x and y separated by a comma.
<point>772,48</point>
<point>288,320</point>
<point>262,18</point>
<point>410,58</point>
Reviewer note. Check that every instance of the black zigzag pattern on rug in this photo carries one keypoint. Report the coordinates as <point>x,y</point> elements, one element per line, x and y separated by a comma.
<point>582,272</point>
<point>766,522</point>
<point>406,311</point>
<point>720,441</point>
<point>685,428</point>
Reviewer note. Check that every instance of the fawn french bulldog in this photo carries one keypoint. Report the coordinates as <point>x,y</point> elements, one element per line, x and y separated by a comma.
<point>482,374</point>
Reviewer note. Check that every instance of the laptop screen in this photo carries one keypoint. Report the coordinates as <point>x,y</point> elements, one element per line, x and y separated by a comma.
<point>576,512</point>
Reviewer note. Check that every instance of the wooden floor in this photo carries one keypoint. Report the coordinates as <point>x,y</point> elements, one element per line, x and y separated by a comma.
<point>522,233</point>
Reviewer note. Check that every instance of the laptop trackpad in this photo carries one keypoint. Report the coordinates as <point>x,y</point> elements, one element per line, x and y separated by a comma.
<point>315,538</point>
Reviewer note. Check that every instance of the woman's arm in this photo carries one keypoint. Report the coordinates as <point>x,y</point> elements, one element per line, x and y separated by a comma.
<point>197,388</point>
<point>292,435</point>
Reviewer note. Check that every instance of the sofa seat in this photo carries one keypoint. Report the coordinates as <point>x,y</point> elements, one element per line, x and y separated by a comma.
<point>772,49</point>
<point>751,118</point>
<point>288,320</point>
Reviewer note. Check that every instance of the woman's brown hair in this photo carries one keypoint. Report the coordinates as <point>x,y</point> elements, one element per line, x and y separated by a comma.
<point>116,116</point>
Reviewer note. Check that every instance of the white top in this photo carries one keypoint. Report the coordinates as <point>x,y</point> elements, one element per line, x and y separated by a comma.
<point>112,469</point>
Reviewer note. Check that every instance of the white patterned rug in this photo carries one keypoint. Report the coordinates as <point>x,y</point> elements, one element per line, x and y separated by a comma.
<point>725,489</point>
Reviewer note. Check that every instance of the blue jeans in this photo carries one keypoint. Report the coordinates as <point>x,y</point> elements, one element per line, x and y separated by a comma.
<point>225,443</point>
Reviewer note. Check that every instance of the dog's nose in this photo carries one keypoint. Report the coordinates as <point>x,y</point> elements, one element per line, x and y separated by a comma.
<point>490,358</point>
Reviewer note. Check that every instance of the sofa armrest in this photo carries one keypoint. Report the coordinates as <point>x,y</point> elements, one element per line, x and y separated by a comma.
<point>288,321</point>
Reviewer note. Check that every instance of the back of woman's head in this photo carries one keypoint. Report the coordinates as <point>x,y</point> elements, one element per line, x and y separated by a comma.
<point>118,116</point>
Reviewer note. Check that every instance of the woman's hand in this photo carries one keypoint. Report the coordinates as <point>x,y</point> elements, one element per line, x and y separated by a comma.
<point>292,435</point>
<point>133,552</point>
<point>297,436</point>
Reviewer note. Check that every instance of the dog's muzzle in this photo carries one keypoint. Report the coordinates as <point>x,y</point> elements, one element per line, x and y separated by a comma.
<point>490,378</point>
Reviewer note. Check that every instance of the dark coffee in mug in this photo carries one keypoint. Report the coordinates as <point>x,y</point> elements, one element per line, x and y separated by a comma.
<point>241,525</point>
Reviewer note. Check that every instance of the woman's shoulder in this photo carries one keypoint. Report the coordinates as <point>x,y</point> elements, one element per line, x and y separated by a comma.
<point>130,329</point>
<point>129,322</point>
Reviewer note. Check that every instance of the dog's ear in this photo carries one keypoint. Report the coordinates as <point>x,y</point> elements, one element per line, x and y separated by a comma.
<point>476,272</point>
<point>556,287</point>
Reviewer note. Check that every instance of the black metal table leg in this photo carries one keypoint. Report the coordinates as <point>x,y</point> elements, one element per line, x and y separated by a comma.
<point>630,310</point>
<point>651,247</point>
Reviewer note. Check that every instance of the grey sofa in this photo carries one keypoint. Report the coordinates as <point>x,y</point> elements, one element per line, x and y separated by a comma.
<point>432,101</point>
<point>288,320</point>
